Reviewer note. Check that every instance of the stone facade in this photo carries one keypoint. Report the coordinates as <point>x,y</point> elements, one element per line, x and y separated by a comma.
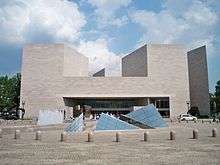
<point>53,72</point>
<point>135,64</point>
<point>198,80</point>
<point>100,73</point>
<point>74,64</point>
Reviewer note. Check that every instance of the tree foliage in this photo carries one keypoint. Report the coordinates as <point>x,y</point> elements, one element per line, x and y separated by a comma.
<point>10,91</point>
<point>217,96</point>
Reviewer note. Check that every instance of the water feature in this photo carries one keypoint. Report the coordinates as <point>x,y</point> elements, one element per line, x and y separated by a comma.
<point>47,117</point>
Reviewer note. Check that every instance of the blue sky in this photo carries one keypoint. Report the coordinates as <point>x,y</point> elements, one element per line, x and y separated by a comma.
<point>106,30</point>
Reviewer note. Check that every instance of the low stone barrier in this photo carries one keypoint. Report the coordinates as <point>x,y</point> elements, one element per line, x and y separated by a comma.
<point>17,134</point>
<point>172,135</point>
<point>90,137</point>
<point>214,132</point>
<point>146,136</point>
<point>117,137</point>
<point>38,135</point>
<point>195,134</point>
<point>63,137</point>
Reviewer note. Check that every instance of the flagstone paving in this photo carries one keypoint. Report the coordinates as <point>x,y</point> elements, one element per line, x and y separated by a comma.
<point>104,150</point>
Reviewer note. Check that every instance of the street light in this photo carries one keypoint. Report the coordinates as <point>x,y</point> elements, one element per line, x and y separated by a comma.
<point>23,103</point>
<point>188,105</point>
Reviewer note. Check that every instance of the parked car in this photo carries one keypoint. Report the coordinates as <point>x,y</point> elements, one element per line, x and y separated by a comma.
<point>216,117</point>
<point>194,111</point>
<point>9,114</point>
<point>187,117</point>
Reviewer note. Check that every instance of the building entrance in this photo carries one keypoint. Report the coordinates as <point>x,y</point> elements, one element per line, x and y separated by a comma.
<point>116,106</point>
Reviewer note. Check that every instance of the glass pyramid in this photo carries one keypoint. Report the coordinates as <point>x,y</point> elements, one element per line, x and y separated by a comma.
<point>76,126</point>
<point>107,122</point>
<point>149,116</point>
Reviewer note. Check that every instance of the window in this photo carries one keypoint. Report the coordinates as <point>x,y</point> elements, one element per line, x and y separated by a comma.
<point>162,103</point>
<point>108,103</point>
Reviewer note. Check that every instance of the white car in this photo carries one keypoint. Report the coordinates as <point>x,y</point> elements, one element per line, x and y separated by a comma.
<point>187,117</point>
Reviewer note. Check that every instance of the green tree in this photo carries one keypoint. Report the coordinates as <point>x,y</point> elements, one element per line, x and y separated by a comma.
<point>217,96</point>
<point>212,103</point>
<point>10,91</point>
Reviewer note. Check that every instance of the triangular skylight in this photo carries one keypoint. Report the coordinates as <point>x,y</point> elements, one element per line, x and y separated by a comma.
<point>76,126</point>
<point>149,116</point>
<point>107,122</point>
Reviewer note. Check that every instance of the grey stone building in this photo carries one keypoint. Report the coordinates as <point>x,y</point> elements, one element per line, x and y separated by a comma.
<point>55,77</point>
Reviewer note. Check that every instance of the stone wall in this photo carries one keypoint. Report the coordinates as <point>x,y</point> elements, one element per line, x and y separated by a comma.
<point>100,73</point>
<point>46,78</point>
<point>135,63</point>
<point>198,80</point>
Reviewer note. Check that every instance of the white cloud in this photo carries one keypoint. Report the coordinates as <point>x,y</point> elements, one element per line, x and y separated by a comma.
<point>159,27</point>
<point>188,22</point>
<point>106,12</point>
<point>199,13</point>
<point>100,57</point>
<point>29,20</point>
<point>23,21</point>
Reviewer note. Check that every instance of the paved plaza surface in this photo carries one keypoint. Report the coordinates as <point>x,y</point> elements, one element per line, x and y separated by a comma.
<point>104,150</point>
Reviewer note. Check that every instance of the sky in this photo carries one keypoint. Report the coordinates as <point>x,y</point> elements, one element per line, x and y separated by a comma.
<point>106,30</point>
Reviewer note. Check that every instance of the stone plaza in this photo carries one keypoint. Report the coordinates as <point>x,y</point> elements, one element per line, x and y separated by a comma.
<point>132,149</point>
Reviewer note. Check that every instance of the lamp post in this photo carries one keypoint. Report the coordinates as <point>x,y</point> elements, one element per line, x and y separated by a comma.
<point>23,103</point>
<point>21,111</point>
<point>188,105</point>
